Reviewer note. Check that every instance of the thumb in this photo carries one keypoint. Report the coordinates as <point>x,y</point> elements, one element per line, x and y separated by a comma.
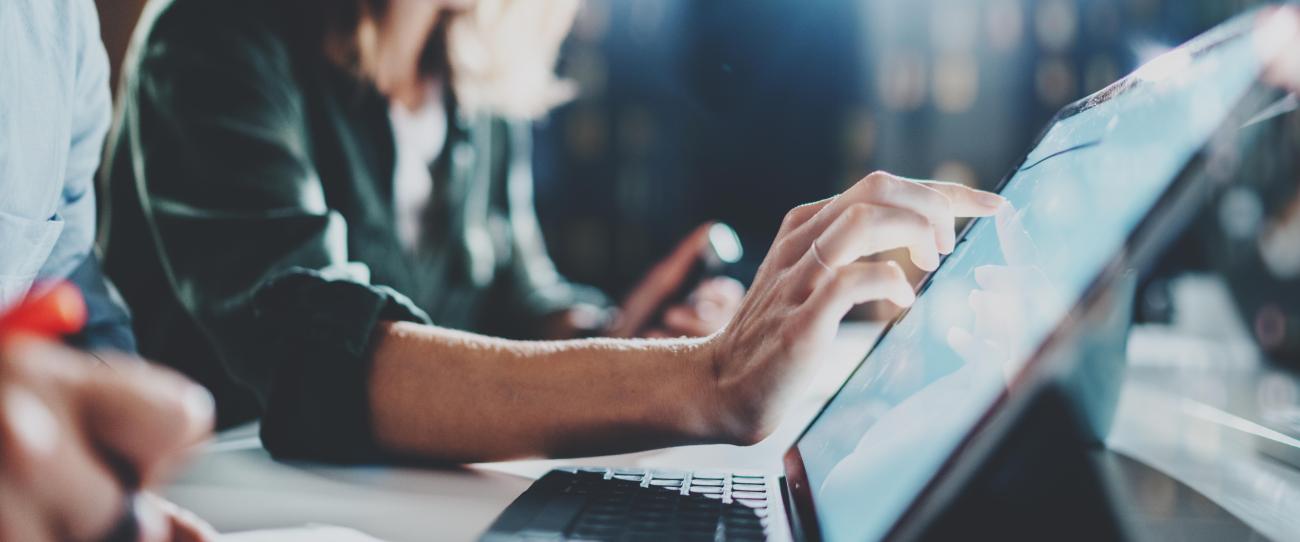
<point>662,280</point>
<point>679,262</point>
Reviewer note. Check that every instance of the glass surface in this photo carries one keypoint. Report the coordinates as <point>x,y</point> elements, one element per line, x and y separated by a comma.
<point>1093,176</point>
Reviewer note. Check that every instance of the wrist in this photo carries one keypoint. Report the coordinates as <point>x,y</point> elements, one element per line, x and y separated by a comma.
<point>714,415</point>
<point>689,403</point>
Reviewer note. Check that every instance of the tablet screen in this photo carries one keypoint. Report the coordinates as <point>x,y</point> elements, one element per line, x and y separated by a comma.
<point>1095,173</point>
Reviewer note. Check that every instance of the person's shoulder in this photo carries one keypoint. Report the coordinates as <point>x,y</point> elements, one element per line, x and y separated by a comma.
<point>49,26</point>
<point>210,26</point>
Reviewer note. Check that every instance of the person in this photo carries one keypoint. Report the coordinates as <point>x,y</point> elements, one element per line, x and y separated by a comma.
<point>77,439</point>
<point>259,195</point>
<point>337,138</point>
<point>52,126</point>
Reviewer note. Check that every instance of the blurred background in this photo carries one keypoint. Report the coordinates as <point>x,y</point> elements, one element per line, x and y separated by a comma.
<point>739,109</point>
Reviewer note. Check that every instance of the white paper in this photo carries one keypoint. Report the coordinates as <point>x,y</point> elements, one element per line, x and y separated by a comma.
<point>308,533</point>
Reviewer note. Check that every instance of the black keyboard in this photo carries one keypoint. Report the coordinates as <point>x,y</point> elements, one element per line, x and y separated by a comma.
<point>638,504</point>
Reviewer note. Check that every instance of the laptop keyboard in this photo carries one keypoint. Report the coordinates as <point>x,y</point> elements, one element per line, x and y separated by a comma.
<point>638,504</point>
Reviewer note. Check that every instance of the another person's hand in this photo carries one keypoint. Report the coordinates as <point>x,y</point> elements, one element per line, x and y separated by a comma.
<point>709,307</point>
<point>705,311</point>
<point>79,440</point>
<point>812,277</point>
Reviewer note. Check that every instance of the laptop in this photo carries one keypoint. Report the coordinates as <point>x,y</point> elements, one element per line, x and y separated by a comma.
<point>1109,183</point>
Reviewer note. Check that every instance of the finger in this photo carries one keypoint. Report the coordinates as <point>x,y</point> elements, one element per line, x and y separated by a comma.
<point>181,524</point>
<point>80,496</point>
<point>920,199</point>
<point>801,215</point>
<point>153,520</point>
<point>684,320</point>
<point>882,188</point>
<point>967,201</point>
<point>725,293</point>
<point>679,262</point>
<point>147,417</point>
<point>662,280</point>
<point>20,517</point>
<point>865,229</point>
<point>859,283</point>
<point>657,333</point>
<point>46,456</point>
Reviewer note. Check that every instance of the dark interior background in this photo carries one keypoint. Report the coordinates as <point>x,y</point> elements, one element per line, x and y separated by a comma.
<point>739,109</point>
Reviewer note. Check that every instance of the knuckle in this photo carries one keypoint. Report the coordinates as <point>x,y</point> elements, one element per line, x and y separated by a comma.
<point>790,219</point>
<point>878,184</point>
<point>937,200</point>
<point>914,223</point>
<point>756,432</point>
<point>844,278</point>
<point>784,246</point>
<point>796,215</point>
<point>894,273</point>
<point>859,214</point>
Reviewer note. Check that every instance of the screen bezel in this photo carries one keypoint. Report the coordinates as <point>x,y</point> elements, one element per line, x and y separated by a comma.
<point>1146,238</point>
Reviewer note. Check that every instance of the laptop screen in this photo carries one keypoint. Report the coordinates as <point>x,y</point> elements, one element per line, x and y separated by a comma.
<point>1094,174</point>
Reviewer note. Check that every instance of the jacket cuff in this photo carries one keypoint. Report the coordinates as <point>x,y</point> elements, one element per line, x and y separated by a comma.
<point>323,328</point>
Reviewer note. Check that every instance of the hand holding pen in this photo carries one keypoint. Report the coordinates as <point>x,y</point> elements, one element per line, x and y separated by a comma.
<point>80,443</point>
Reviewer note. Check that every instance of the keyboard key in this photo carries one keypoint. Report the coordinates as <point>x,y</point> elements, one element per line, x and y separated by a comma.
<point>629,471</point>
<point>666,483</point>
<point>742,486</point>
<point>706,482</point>
<point>708,476</point>
<point>755,495</point>
<point>668,475</point>
<point>707,490</point>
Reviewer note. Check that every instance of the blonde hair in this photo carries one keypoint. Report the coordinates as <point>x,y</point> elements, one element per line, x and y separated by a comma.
<point>499,55</point>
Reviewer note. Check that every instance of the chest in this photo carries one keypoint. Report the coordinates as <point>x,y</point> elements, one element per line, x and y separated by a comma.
<point>459,205</point>
<point>37,63</point>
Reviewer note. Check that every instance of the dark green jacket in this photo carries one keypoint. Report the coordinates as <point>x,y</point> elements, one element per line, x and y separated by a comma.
<point>252,225</point>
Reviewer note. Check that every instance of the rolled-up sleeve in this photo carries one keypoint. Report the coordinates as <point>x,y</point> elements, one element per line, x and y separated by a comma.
<point>247,242</point>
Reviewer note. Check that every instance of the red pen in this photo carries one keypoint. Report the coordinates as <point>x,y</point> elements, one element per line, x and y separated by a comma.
<point>51,311</point>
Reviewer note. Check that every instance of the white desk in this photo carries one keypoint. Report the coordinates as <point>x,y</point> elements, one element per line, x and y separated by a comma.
<point>236,486</point>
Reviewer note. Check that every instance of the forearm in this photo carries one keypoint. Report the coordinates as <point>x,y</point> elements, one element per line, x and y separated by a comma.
<point>462,397</point>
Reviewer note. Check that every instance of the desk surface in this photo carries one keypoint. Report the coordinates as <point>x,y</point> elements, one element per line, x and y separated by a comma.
<point>1189,396</point>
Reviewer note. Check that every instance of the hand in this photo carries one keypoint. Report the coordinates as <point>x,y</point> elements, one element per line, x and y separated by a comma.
<point>812,277</point>
<point>77,439</point>
<point>665,279</point>
<point>705,312</point>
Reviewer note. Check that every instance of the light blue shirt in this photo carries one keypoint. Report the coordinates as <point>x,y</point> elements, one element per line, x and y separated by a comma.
<point>55,109</point>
